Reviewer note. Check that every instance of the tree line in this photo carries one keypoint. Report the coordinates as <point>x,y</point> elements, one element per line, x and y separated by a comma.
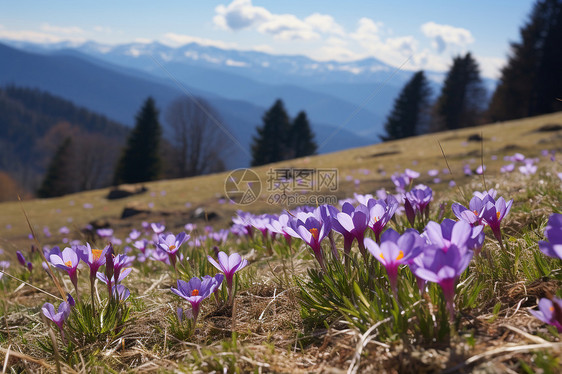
<point>200,143</point>
<point>530,84</point>
<point>89,151</point>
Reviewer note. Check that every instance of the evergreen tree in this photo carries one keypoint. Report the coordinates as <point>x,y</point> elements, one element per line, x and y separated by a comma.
<point>530,82</point>
<point>301,137</point>
<point>409,114</point>
<point>462,96</point>
<point>57,181</point>
<point>270,144</point>
<point>140,160</point>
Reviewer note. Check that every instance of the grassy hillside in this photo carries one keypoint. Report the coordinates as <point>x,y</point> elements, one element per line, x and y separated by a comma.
<point>292,310</point>
<point>421,153</point>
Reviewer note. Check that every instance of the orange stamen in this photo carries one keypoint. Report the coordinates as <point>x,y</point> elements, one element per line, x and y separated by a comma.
<point>498,214</point>
<point>172,247</point>
<point>195,292</point>
<point>314,233</point>
<point>97,254</point>
<point>68,263</point>
<point>400,256</point>
<point>475,212</point>
<point>551,309</point>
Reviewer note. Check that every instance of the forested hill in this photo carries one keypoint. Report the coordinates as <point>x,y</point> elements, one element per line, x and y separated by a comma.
<point>34,123</point>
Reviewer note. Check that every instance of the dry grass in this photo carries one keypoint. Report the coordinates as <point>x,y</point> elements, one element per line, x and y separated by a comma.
<point>264,331</point>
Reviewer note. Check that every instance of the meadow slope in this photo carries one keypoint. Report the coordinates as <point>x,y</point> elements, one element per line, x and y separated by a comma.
<point>289,314</point>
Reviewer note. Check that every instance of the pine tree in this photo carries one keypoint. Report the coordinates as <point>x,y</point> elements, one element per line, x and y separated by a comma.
<point>409,114</point>
<point>270,144</point>
<point>140,160</point>
<point>530,82</point>
<point>462,97</point>
<point>57,181</point>
<point>301,138</point>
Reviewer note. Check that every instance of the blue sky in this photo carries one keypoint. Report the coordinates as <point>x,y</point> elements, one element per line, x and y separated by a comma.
<point>426,34</point>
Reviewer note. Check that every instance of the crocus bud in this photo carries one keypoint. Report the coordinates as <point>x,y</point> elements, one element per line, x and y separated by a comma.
<point>410,213</point>
<point>70,300</point>
<point>109,265</point>
<point>21,259</point>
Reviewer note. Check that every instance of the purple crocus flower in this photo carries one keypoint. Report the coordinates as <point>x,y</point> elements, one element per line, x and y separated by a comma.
<point>112,282</point>
<point>494,213</point>
<point>171,244</point>
<point>244,219</point>
<point>261,223</point>
<point>450,233</point>
<point>195,291</point>
<point>105,232</point>
<point>473,214</point>
<point>120,262</point>
<point>528,169</point>
<point>550,311</point>
<point>158,228</point>
<point>351,223</point>
<point>433,172</point>
<point>135,234</point>
<point>380,213</point>
<point>553,233</point>
<point>229,265</point>
<point>121,292</point>
<point>507,168</point>
<point>220,236</point>
<point>419,198</point>
<point>280,225</point>
<point>94,258</point>
<point>400,181</point>
<point>141,245</point>
<point>58,316</point>
<point>219,277</point>
<point>68,261</point>
<point>444,268</point>
<point>395,250</point>
<point>411,175</point>
<point>312,228</point>
<point>361,199</point>
<point>482,195</point>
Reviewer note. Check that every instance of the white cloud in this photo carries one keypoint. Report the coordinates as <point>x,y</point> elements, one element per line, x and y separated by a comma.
<point>324,23</point>
<point>445,35</point>
<point>31,36</point>
<point>70,30</point>
<point>406,45</point>
<point>490,67</point>
<point>176,40</point>
<point>288,27</point>
<point>367,30</point>
<point>266,48</point>
<point>240,14</point>
<point>369,35</point>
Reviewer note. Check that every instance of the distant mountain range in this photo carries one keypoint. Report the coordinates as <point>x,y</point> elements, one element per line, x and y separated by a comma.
<point>353,97</point>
